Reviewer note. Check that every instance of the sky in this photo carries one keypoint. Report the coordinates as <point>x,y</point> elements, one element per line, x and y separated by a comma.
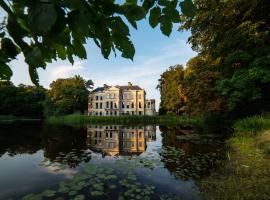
<point>155,53</point>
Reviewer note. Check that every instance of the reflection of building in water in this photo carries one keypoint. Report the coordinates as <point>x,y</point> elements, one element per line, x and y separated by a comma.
<point>120,140</point>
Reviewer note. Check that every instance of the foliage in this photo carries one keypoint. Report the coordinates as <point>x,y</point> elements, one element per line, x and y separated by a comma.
<point>47,30</point>
<point>21,101</point>
<point>67,96</point>
<point>252,125</point>
<point>199,87</point>
<point>233,36</point>
<point>230,76</point>
<point>170,87</point>
<point>78,119</point>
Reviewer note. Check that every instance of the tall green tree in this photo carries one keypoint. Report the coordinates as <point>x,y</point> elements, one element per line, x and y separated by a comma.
<point>170,87</point>
<point>21,101</point>
<point>200,88</point>
<point>234,36</point>
<point>67,96</point>
<point>45,30</point>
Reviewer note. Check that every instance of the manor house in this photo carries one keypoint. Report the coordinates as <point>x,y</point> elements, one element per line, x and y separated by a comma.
<point>120,100</point>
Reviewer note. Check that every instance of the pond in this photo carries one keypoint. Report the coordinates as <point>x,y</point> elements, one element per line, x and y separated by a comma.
<point>39,161</point>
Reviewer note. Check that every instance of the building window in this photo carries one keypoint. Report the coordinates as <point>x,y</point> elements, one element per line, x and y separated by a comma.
<point>127,112</point>
<point>107,134</point>
<point>107,113</point>
<point>149,104</point>
<point>110,134</point>
<point>127,105</point>
<point>101,98</point>
<point>132,112</point>
<point>115,105</point>
<point>132,105</point>
<point>111,104</point>
<point>115,112</point>
<point>140,112</point>
<point>123,105</point>
<point>100,105</point>
<point>96,97</point>
<point>96,105</point>
<point>96,113</point>
<point>111,113</point>
<point>100,113</point>
<point>107,104</point>
<point>140,105</point>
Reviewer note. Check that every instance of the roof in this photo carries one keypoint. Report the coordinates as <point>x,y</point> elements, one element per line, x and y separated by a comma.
<point>132,87</point>
<point>99,89</point>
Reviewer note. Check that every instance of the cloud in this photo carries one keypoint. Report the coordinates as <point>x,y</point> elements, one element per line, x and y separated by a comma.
<point>147,70</point>
<point>61,69</point>
<point>144,71</point>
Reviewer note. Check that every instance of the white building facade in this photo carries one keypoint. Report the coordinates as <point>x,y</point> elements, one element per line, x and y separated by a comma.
<point>120,100</point>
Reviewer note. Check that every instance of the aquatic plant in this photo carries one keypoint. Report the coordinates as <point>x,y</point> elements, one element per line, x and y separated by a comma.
<point>77,119</point>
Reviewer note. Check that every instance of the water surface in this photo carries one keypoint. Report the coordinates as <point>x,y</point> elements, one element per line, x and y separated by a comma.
<point>39,161</point>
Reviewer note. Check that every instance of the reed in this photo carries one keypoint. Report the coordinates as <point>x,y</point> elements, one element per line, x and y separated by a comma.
<point>82,119</point>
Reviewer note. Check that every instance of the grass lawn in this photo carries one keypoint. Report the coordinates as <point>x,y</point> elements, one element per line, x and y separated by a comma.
<point>246,174</point>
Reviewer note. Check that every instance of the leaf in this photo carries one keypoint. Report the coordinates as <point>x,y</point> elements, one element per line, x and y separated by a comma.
<point>134,12</point>
<point>165,25</point>
<point>9,48</point>
<point>34,75</point>
<point>61,51</point>
<point>147,4</point>
<point>78,23</point>
<point>154,17</point>
<point>119,25</point>
<point>79,50</point>
<point>188,8</point>
<point>172,13</point>
<point>163,2</point>
<point>124,45</point>
<point>5,71</point>
<point>131,2</point>
<point>33,57</point>
<point>42,17</point>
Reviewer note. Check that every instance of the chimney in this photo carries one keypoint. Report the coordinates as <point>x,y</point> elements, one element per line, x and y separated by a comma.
<point>129,84</point>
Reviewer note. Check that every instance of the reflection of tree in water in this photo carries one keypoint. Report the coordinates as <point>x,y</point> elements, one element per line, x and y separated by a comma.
<point>65,145</point>
<point>192,157</point>
<point>62,144</point>
<point>20,138</point>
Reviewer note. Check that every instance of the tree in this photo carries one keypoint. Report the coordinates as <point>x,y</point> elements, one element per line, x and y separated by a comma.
<point>67,96</point>
<point>233,37</point>
<point>22,101</point>
<point>170,87</point>
<point>199,87</point>
<point>47,30</point>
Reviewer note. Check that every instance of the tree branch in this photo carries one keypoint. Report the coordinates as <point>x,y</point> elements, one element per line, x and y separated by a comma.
<point>6,8</point>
